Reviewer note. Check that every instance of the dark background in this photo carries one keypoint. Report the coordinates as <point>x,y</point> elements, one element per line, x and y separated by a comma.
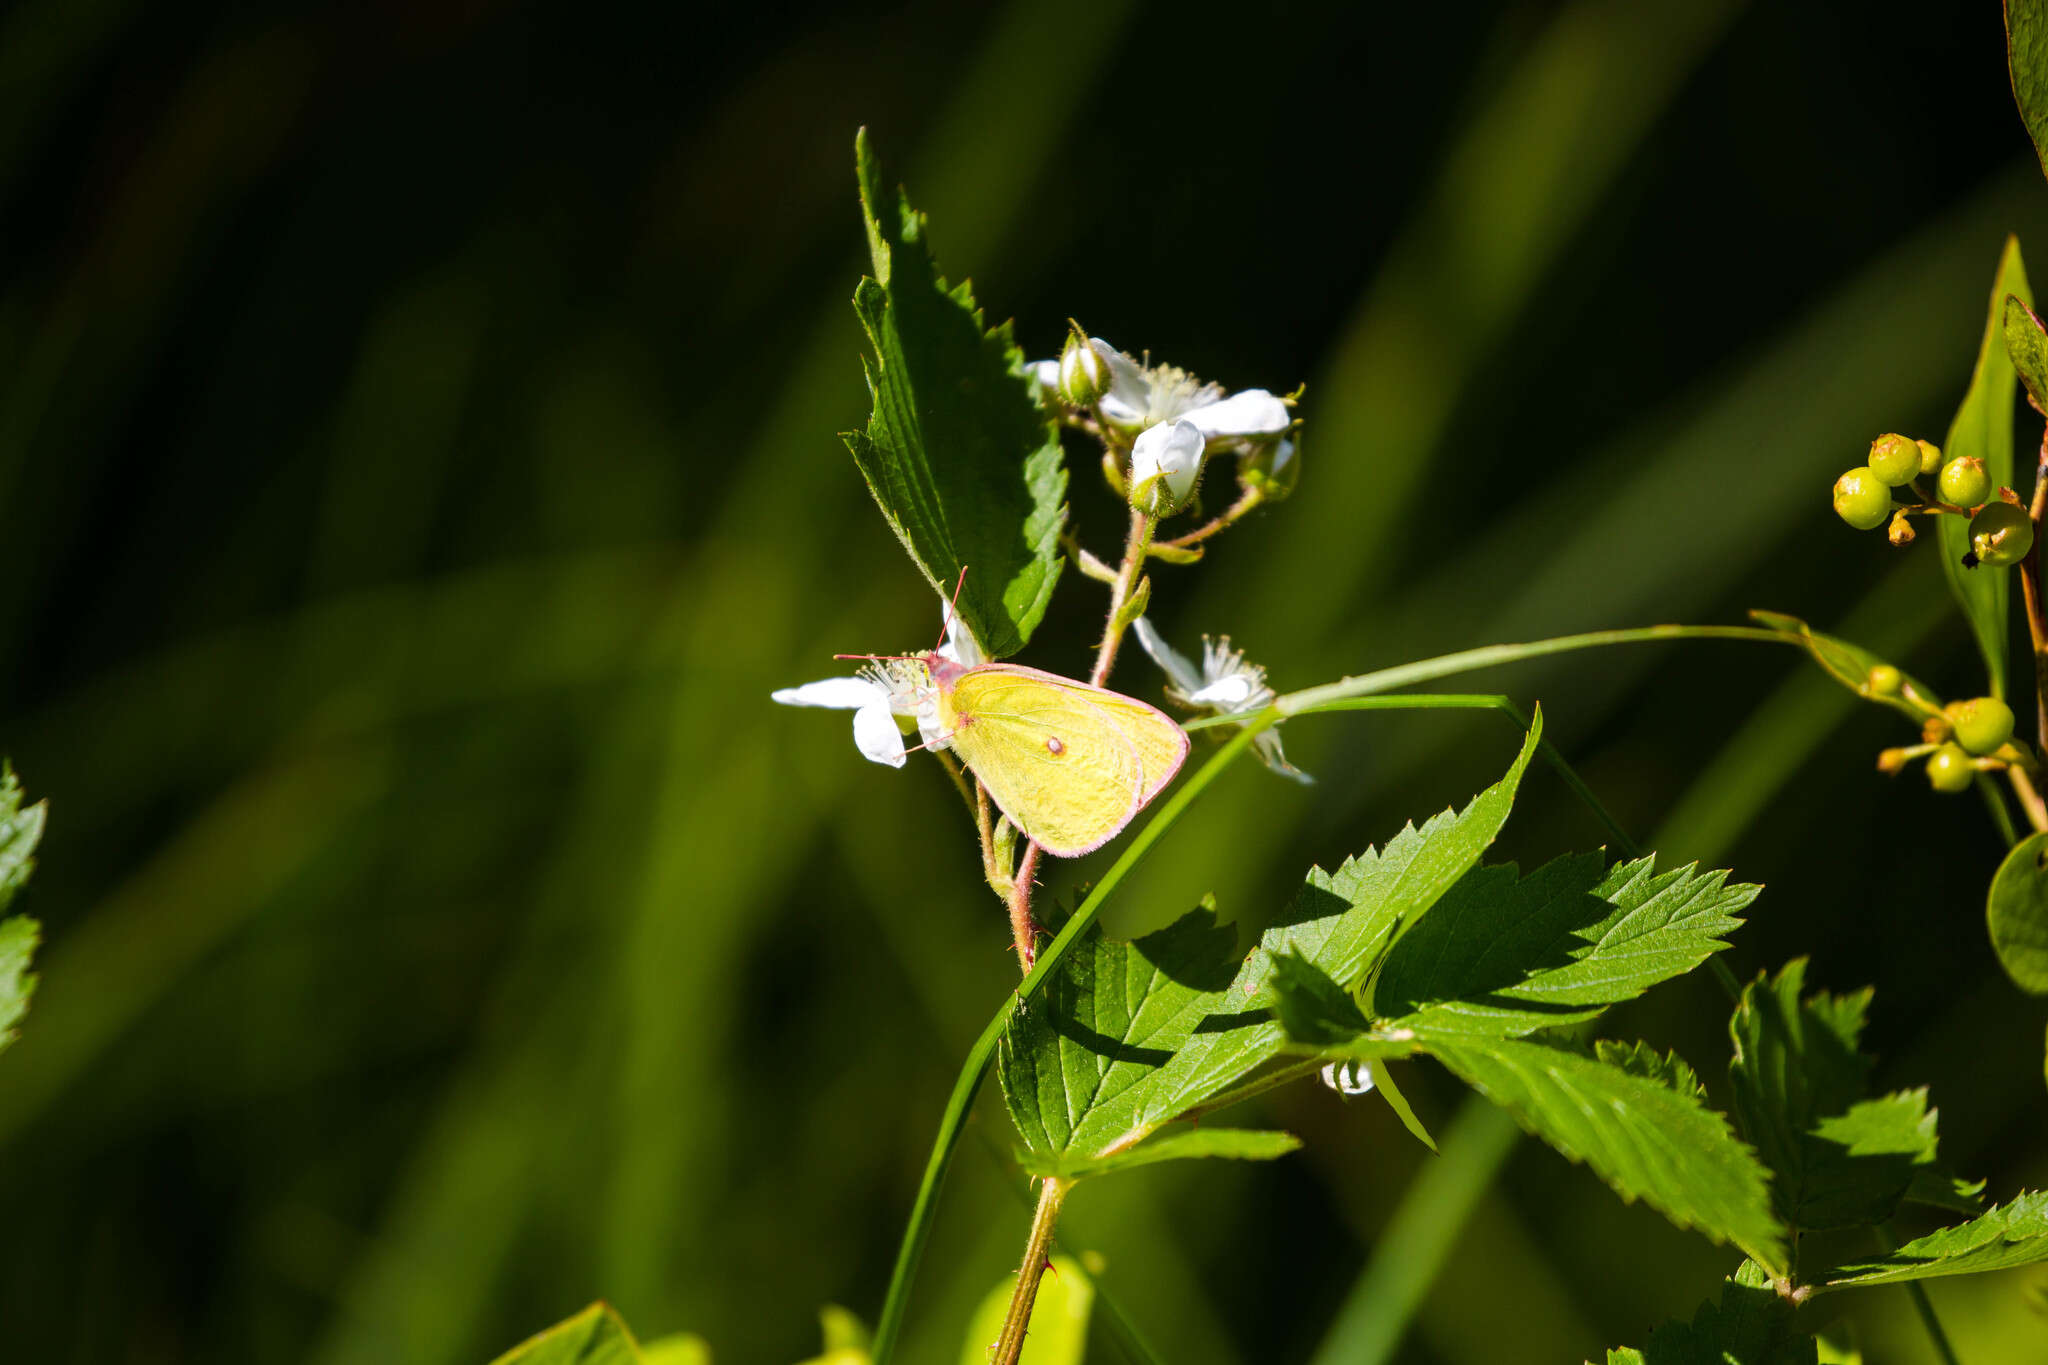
<point>418,464</point>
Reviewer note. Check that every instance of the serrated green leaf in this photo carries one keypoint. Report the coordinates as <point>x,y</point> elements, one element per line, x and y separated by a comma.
<point>595,1336</point>
<point>2026,346</point>
<point>2016,911</point>
<point>1238,1144</point>
<point>1646,1140</point>
<point>1751,1325</point>
<point>2026,60</point>
<point>1077,1066</point>
<point>1502,956</point>
<point>1838,1157</point>
<point>2014,1234</point>
<point>1667,1069</point>
<point>20,831</point>
<point>1314,1010</point>
<point>1058,1334</point>
<point>1983,428</point>
<point>1850,664</point>
<point>18,937</point>
<point>963,462</point>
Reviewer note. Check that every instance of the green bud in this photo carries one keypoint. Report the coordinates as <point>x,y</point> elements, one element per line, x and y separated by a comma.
<point>1884,681</point>
<point>1949,769</point>
<point>2000,534</point>
<point>1895,459</point>
<point>1930,456</point>
<point>1272,467</point>
<point>1965,482</point>
<point>1862,500</point>
<point>1982,724</point>
<point>1084,373</point>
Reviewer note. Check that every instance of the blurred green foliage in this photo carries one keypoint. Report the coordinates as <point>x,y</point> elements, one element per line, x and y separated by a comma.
<point>417,433</point>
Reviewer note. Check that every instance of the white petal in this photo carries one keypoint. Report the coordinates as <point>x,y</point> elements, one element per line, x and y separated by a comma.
<point>876,735</point>
<point>1045,378</point>
<point>1130,388</point>
<point>961,646</point>
<point>1170,451</point>
<point>1251,413</point>
<point>1178,668</point>
<point>1228,691</point>
<point>844,694</point>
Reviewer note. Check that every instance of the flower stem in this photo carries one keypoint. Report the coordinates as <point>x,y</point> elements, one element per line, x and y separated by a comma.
<point>1222,521</point>
<point>1127,576</point>
<point>1023,928</point>
<point>2030,592</point>
<point>1037,1256</point>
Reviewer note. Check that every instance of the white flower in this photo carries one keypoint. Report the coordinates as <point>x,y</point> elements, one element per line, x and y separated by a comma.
<point>1349,1078</point>
<point>886,689</point>
<point>1227,684</point>
<point>1143,396</point>
<point>1165,462</point>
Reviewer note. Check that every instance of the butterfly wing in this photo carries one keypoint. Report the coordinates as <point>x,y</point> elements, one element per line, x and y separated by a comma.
<point>1069,763</point>
<point>1056,763</point>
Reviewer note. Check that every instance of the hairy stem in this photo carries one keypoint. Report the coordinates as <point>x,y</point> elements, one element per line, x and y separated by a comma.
<point>1037,1255</point>
<point>1023,928</point>
<point>2030,592</point>
<point>1246,501</point>
<point>1127,576</point>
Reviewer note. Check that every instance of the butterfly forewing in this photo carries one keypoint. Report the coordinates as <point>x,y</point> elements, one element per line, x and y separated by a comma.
<point>1070,764</point>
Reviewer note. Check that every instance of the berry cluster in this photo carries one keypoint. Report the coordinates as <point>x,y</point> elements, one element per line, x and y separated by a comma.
<point>1958,740</point>
<point>2001,533</point>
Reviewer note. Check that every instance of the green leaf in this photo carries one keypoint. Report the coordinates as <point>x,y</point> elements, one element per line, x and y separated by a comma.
<point>20,831</point>
<point>1838,1158</point>
<point>2015,1234</point>
<point>1240,1144</point>
<point>1501,956</point>
<point>595,1336</point>
<point>842,1329</point>
<point>964,463</point>
<point>1644,1139</point>
<point>18,937</point>
<point>2026,61</point>
<point>1667,1069</point>
<point>2026,346</point>
<point>1983,428</point>
<point>2017,912</point>
<point>1751,1325</point>
<point>1315,1010</point>
<point>1850,664</point>
<point>1058,1334</point>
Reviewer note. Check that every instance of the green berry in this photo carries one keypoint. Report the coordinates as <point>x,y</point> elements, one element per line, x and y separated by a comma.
<point>1949,769</point>
<point>1895,459</point>
<point>1930,456</point>
<point>1982,724</point>
<point>2000,534</point>
<point>1965,482</point>
<point>1862,500</point>
<point>1884,681</point>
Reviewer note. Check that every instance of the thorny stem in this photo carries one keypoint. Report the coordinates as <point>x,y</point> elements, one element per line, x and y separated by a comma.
<point>1037,1255</point>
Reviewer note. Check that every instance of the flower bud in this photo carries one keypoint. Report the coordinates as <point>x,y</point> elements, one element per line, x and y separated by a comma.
<point>1884,681</point>
<point>1895,459</point>
<point>2000,534</point>
<point>1861,499</point>
<point>1891,760</point>
<point>1930,456</point>
<point>1900,532</point>
<point>1936,730</point>
<point>1965,482</point>
<point>1084,372</point>
<point>1274,468</point>
<point>1166,462</point>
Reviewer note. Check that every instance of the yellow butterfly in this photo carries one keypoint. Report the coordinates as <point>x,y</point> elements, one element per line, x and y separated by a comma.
<point>1068,762</point>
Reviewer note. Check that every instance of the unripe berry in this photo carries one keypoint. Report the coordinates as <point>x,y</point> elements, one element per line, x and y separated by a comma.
<point>1895,459</point>
<point>1949,769</point>
<point>1965,482</point>
<point>1930,456</point>
<point>1862,500</point>
<point>2000,534</point>
<point>1982,724</point>
<point>1885,681</point>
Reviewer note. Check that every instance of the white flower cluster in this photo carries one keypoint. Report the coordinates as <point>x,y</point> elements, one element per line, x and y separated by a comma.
<point>1226,684</point>
<point>1173,420</point>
